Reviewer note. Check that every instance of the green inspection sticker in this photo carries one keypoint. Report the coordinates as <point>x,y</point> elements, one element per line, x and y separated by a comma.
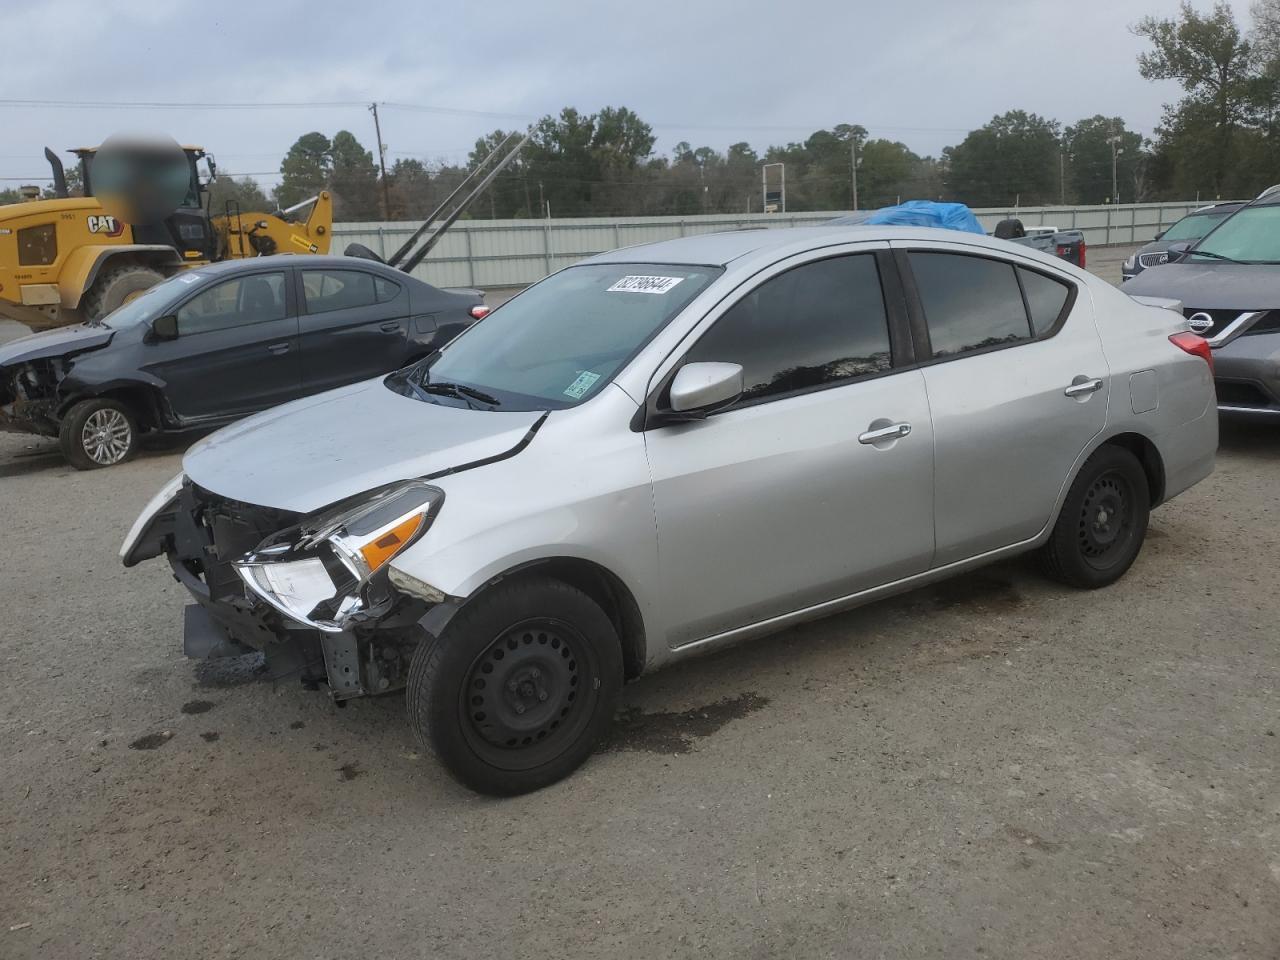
<point>580,386</point>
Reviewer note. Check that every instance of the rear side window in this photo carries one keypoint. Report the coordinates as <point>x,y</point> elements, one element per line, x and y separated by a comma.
<point>328,290</point>
<point>37,246</point>
<point>234,303</point>
<point>819,324</point>
<point>385,289</point>
<point>1045,299</point>
<point>970,303</point>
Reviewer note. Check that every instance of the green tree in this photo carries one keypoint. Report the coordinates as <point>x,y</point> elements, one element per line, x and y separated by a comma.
<point>245,193</point>
<point>885,172</point>
<point>1013,158</point>
<point>353,179</point>
<point>1214,62</point>
<point>410,188</point>
<point>1087,147</point>
<point>305,170</point>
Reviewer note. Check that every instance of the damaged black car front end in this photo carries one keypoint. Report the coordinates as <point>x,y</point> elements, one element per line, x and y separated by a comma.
<point>313,593</point>
<point>33,374</point>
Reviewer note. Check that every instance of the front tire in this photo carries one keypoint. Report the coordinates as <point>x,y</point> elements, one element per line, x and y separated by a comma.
<point>1103,521</point>
<point>519,688</point>
<point>115,287</point>
<point>98,433</point>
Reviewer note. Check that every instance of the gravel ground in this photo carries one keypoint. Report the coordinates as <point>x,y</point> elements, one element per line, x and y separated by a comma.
<point>991,767</point>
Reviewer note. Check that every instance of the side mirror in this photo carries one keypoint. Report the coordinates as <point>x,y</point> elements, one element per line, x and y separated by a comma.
<point>165,328</point>
<point>1159,235</point>
<point>1176,250</point>
<point>702,388</point>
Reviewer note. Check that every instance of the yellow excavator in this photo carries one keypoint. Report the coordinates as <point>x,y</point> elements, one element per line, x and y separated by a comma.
<point>65,259</point>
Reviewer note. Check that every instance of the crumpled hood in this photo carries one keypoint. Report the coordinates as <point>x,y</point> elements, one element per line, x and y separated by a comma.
<point>1211,286</point>
<point>55,343</point>
<point>312,452</point>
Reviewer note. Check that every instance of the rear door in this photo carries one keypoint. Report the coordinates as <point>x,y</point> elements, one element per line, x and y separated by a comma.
<point>1018,387</point>
<point>819,482</point>
<point>354,325</point>
<point>236,350</point>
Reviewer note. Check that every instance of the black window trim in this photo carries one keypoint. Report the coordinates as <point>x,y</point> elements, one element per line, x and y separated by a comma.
<point>919,325</point>
<point>651,415</point>
<point>290,304</point>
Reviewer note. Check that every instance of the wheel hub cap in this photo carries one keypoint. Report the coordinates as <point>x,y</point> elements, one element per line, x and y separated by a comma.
<point>106,436</point>
<point>523,687</point>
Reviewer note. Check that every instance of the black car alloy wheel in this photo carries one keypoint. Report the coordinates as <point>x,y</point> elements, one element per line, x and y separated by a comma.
<point>527,695</point>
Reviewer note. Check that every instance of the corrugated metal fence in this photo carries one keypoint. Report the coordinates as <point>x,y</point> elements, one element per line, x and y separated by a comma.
<point>508,253</point>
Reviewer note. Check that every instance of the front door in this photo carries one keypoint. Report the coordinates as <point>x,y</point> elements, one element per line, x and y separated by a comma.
<point>236,350</point>
<point>818,483</point>
<point>354,326</point>
<point>1017,385</point>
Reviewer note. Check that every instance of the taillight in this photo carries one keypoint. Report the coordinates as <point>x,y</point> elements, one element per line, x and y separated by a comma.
<point>1083,247</point>
<point>479,311</point>
<point>1195,345</point>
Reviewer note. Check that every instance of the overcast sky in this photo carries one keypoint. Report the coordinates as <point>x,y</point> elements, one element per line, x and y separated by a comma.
<point>711,72</point>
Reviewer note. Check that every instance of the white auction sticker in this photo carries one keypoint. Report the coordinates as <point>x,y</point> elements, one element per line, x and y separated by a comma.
<point>580,386</point>
<point>644,284</point>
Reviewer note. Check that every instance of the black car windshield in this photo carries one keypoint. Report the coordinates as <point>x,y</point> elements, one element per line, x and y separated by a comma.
<point>562,341</point>
<point>151,303</point>
<point>1194,226</point>
<point>1251,236</point>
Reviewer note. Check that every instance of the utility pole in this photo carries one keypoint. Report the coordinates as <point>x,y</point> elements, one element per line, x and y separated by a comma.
<point>853,167</point>
<point>382,163</point>
<point>1062,179</point>
<point>1115,154</point>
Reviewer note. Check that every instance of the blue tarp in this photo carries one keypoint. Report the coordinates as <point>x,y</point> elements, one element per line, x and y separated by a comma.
<point>920,213</point>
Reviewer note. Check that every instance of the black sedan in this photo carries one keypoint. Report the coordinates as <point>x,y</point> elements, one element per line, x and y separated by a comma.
<point>216,343</point>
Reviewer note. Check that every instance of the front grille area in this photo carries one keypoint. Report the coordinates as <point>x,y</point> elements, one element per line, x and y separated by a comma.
<point>1269,322</point>
<point>1153,259</point>
<point>1243,393</point>
<point>1221,318</point>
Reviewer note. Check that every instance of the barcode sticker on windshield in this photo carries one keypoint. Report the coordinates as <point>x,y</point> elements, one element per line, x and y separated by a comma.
<point>644,284</point>
<point>580,386</point>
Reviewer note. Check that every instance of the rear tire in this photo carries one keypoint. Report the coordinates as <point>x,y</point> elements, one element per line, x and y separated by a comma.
<point>98,433</point>
<point>115,287</point>
<point>519,688</point>
<point>1103,521</point>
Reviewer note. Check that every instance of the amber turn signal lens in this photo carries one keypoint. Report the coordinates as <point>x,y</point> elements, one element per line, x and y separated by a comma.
<point>379,551</point>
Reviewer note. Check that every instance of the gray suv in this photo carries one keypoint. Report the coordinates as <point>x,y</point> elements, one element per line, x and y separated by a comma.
<point>671,448</point>
<point>1187,230</point>
<point>1229,286</point>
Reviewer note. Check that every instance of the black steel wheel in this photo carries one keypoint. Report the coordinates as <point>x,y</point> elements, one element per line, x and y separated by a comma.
<point>1103,521</point>
<point>519,687</point>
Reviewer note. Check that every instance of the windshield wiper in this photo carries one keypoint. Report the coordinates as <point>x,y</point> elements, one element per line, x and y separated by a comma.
<point>1210,253</point>
<point>459,390</point>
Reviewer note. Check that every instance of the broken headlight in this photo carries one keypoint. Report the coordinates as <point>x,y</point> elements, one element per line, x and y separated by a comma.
<point>320,572</point>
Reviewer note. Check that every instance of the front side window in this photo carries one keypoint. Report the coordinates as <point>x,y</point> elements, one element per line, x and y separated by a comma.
<point>234,303</point>
<point>818,324</point>
<point>328,290</point>
<point>561,341</point>
<point>970,303</point>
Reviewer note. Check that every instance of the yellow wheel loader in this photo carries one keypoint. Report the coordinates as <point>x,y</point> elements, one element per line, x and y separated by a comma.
<point>66,259</point>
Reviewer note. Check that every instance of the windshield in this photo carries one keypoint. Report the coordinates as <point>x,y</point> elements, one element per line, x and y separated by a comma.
<point>1251,236</point>
<point>1193,227</point>
<point>150,303</point>
<point>562,341</point>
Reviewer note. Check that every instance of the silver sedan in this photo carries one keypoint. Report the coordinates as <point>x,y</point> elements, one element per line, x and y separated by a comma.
<point>672,447</point>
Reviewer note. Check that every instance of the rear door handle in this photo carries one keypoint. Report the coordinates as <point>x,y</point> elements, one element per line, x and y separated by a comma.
<point>895,431</point>
<point>279,348</point>
<point>391,326</point>
<point>1083,387</point>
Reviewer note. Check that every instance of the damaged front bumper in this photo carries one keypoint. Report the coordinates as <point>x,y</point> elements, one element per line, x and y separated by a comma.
<point>243,564</point>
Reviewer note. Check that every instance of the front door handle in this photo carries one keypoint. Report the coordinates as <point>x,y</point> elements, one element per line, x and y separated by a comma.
<point>895,431</point>
<point>391,326</point>
<point>1081,387</point>
<point>279,348</point>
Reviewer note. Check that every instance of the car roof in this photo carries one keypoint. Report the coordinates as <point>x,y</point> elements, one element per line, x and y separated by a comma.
<point>721,249</point>
<point>250,264</point>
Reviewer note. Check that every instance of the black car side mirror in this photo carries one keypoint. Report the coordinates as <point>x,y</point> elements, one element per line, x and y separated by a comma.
<point>1159,235</point>
<point>165,328</point>
<point>1176,250</point>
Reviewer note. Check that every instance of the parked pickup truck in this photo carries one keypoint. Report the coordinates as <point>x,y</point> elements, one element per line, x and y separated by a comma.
<point>1067,244</point>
